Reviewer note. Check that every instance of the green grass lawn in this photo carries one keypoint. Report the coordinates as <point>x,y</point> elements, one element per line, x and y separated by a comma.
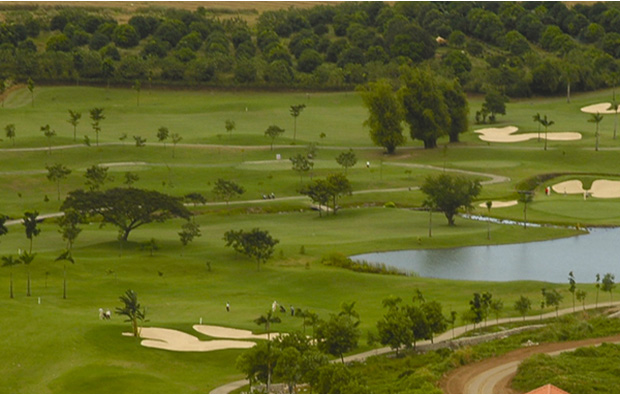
<point>62,346</point>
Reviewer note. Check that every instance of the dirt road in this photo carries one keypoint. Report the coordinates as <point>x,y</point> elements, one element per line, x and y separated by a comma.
<point>494,375</point>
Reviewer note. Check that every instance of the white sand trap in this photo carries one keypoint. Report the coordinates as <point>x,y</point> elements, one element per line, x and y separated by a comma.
<point>229,333</point>
<point>605,189</point>
<point>601,108</point>
<point>173,340</point>
<point>499,204</point>
<point>506,135</point>
<point>570,187</point>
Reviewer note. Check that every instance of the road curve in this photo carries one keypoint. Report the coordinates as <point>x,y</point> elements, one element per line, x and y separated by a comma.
<point>494,375</point>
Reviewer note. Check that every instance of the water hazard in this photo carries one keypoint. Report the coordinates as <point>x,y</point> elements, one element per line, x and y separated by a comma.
<point>585,255</point>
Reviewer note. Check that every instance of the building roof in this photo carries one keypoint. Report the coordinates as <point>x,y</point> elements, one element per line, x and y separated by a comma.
<point>548,389</point>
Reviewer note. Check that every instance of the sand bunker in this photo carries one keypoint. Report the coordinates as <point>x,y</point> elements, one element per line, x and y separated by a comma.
<point>604,189</point>
<point>229,333</point>
<point>601,108</point>
<point>505,135</point>
<point>499,204</point>
<point>173,340</point>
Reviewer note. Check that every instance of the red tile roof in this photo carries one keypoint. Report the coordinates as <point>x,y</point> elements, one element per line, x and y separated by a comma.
<point>548,389</point>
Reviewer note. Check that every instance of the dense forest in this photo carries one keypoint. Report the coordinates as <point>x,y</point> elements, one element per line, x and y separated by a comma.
<point>520,49</point>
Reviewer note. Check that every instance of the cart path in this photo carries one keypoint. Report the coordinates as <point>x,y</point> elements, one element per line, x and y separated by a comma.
<point>447,337</point>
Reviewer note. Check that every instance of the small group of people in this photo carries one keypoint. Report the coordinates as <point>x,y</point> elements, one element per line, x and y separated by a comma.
<point>275,305</point>
<point>270,196</point>
<point>105,315</point>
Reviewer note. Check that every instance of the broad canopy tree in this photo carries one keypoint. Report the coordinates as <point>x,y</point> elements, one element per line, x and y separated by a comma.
<point>126,208</point>
<point>257,244</point>
<point>448,193</point>
<point>385,115</point>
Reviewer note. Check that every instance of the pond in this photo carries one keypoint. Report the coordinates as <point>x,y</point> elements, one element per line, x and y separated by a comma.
<point>585,255</point>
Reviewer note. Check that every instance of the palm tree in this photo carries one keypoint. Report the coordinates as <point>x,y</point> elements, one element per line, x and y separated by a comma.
<point>96,114</point>
<point>295,112</point>
<point>546,123</point>
<point>65,256</point>
<point>30,223</point>
<point>537,119</point>
<point>74,119</point>
<point>10,132</point>
<point>49,133</point>
<point>26,258</point>
<point>596,118</point>
<point>267,320</point>
<point>525,197</point>
<point>9,261</point>
<point>489,204</point>
<point>132,310</point>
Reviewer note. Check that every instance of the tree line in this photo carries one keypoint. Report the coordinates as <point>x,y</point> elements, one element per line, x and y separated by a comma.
<point>515,48</point>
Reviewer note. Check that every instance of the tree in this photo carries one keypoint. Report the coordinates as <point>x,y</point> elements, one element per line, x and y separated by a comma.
<point>49,133</point>
<point>338,184</point>
<point>9,261</point>
<point>10,132</point>
<point>31,226</point>
<point>581,297</point>
<point>267,320</point>
<point>229,125</point>
<point>525,197</point>
<point>140,141</point>
<point>608,284</point>
<point>546,123</point>
<point>257,244</point>
<point>494,103</point>
<point>96,176</point>
<point>448,193</point>
<point>598,287</point>
<point>175,140</point>
<point>572,286</point>
<point>523,305</point>
<point>64,256</point>
<point>162,135</point>
<point>289,367</point>
<point>224,189</point>
<point>496,306</point>
<point>385,115</point>
<point>347,159</point>
<point>424,106</point>
<point>476,307</point>
<point>130,178</point>
<point>26,258</point>
<point>272,132</point>
<point>30,85</point>
<point>295,112</point>
<point>69,228</point>
<point>126,208</point>
<point>189,231</point>
<point>96,115</point>
<point>552,298</point>
<point>258,362</point>
<point>301,165</point>
<point>56,173</point>
<point>74,119</point>
<point>132,310</point>
<point>137,86</point>
<point>489,204</point>
<point>320,193</point>
<point>596,118</point>
<point>458,109</point>
<point>338,335</point>
<point>434,317</point>
<point>395,327</point>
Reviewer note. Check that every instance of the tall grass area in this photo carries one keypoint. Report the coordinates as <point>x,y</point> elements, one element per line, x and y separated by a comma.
<point>420,373</point>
